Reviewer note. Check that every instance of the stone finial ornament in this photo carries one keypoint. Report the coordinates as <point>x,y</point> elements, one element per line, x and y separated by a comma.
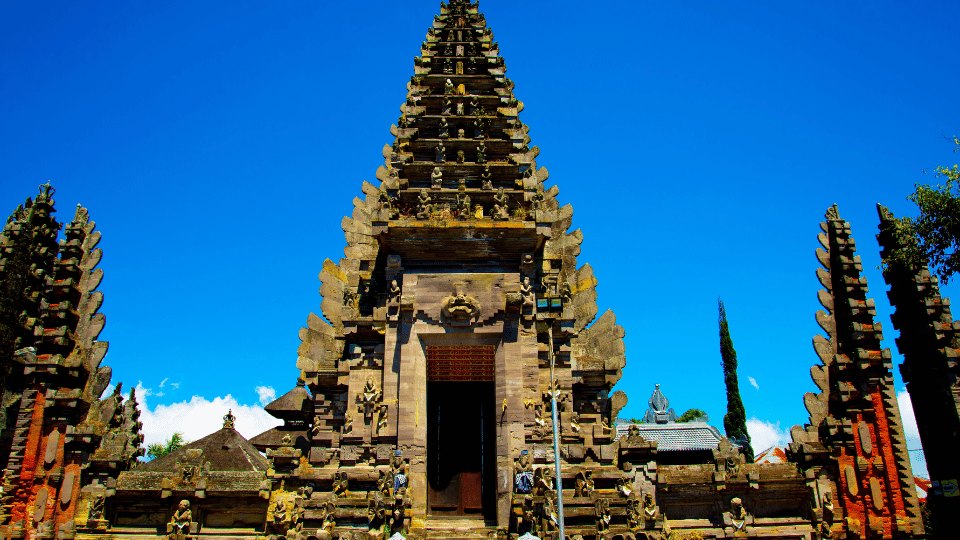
<point>229,419</point>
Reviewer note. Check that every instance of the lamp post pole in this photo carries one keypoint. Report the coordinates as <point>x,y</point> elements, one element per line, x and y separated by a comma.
<point>556,437</point>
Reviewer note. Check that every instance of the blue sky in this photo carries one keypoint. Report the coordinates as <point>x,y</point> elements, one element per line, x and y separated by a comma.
<point>218,145</point>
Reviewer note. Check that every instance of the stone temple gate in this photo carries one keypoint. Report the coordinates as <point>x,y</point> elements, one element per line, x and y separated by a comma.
<point>459,284</point>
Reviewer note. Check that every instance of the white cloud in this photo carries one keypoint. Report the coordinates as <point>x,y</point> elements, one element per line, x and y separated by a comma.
<point>198,417</point>
<point>763,435</point>
<point>753,382</point>
<point>912,433</point>
<point>267,394</point>
<point>175,385</point>
<point>163,381</point>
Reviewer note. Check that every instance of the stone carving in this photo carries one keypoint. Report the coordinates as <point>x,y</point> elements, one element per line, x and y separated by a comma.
<point>423,204</point>
<point>398,468</point>
<point>649,508</point>
<point>463,205</point>
<point>96,510</point>
<point>341,484</point>
<point>229,419</point>
<point>394,292</point>
<point>384,482</point>
<point>444,128</point>
<point>542,481</point>
<point>737,515</point>
<point>376,515</point>
<point>602,508</point>
<point>279,512</point>
<point>481,153</point>
<point>474,106</point>
<point>447,106</point>
<point>384,201</point>
<point>441,153</point>
<point>461,157</point>
<point>347,424</point>
<point>382,420</point>
<point>525,520</point>
<point>398,515</point>
<point>179,527</point>
<point>460,307</point>
<point>368,398</point>
<point>575,423</point>
<point>448,85</point>
<point>623,488</point>
<point>659,411</point>
<point>501,208</point>
<point>529,296</point>
<point>522,474</point>
<point>436,178</point>
<point>634,517</point>
<point>485,178</point>
<point>460,113</point>
<point>583,484</point>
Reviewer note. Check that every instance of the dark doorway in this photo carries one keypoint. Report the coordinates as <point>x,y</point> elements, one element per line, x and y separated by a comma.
<point>461,449</point>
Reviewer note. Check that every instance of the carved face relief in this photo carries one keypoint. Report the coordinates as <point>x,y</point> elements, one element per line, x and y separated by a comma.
<point>460,307</point>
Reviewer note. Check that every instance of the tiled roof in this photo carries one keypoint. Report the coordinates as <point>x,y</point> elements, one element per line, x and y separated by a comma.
<point>774,454</point>
<point>677,436</point>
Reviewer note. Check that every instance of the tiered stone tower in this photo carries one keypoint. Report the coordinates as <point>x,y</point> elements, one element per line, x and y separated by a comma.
<point>458,286</point>
<point>930,344</point>
<point>64,439</point>
<point>854,445</point>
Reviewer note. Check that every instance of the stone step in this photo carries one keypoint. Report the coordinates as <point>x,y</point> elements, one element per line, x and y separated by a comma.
<point>459,529</point>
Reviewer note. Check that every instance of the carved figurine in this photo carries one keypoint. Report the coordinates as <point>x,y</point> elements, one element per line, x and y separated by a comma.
<point>423,204</point>
<point>382,420</point>
<point>575,423</point>
<point>394,291</point>
<point>348,425</point>
<point>501,208</point>
<point>486,180</point>
<point>96,510</point>
<point>523,474</point>
<point>368,397</point>
<point>583,484</point>
<point>602,508</point>
<point>474,106</point>
<point>376,514</point>
<point>384,482</point>
<point>398,518</point>
<point>286,440</point>
<point>542,481</point>
<point>448,85</point>
<point>477,129</point>
<point>481,153</point>
<point>461,157</point>
<point>828,507</point>
<point>399,468</point>
<point>551,519</point>
<point>328,520</point>
<point>463,205</point>
<point>649,507</point>
<point>317,426</point>
<point>634,521</point>
<point>623,488</point>
<point>444,128</point>
<point>447,106</point>
<point>471,64</point>
<point>525,523</point>
<point>460,113</point>
<point>384,200</point>
<point>738,515</point>
<point>279,512</point>
<point>341,484</point>
<point>180,522</point>
<point>526,290</point>
<point>441,153</point>
<point>436,178</point>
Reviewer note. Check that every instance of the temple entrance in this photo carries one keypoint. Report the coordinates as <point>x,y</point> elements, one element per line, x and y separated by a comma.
<point>461,449</point>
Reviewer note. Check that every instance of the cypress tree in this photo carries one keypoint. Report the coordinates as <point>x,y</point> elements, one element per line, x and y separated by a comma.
<point>735,421</point>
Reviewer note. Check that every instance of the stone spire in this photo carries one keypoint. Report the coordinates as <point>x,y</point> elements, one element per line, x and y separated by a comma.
<point>930,343</point>
<point>854,443</point>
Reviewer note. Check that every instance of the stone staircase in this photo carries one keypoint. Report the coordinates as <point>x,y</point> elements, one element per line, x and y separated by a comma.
<point>459,529</point>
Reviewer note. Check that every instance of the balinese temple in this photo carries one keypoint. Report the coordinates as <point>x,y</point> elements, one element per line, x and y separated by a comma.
<point>455,328</point>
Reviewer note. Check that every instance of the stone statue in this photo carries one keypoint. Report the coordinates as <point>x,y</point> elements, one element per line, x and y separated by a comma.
<point>828,507</point>
<point>180,522</point>
<point>501,208</point>
<point>436,178</point>
<point>394,291</point>
<point>602,508</point>
<point>328,515</point>
<point>486,178</point>
<point>368,397</point>
<point>526,290</point>
<point>737,514</point>
<point>448,51</point>
<point>634,521</point>
<point>348,425</point>
<point>471,65</point>
<point>474,106</point>
<point>341,484</point>
<point>279,512</point>
<point>575,422</point>
<point>376,514</point>
<point>96,510</point>
<point>441,153</point>
<point>447,106</point>
<point>398,517</point>
<point>423,205</point>
<point>623,488</point>
<point>399,469</point>
<point>482,153</point>
<point>444,128</point>
<point>649,507</point>
<point>382,420</point>
<point>448,86</point>
<point>583,484</point>
<point>384,482</point>
<point>525,522</point>
<point>228,419</point>
<point>523,474</point>
<point>460,109</point>
<point>605,426</point>
<point>463,205</point>
<point>477,129</point>
<point>460,156</point>
<point>542,481</point>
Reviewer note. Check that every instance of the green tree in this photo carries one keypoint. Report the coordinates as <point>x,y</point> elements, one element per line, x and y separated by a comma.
<point>936,230</point>
<point>735,421</point>
<point>175,441</point>
<point>691,415</point>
